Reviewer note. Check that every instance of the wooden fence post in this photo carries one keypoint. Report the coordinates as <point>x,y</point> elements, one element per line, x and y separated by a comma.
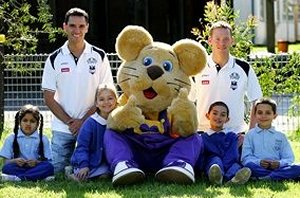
<point>2,40</point>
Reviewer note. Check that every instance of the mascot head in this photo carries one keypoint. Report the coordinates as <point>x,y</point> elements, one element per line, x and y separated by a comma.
<point>154,72</point>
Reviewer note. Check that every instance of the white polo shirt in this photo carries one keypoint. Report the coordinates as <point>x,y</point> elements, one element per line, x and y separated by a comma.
<point>234,81</point>
<point>75,84</point>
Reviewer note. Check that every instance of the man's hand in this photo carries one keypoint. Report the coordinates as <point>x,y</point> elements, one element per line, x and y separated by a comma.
<point>74,125</point>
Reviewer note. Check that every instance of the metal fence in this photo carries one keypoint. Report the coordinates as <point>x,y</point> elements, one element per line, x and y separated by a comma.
<point>22,85</point>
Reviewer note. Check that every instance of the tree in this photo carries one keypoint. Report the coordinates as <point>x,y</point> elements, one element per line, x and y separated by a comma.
<point>22,24</point>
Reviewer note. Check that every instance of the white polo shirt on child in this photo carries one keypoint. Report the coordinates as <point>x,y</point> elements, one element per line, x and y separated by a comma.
<point>230,84</point>
<point>74,83</point>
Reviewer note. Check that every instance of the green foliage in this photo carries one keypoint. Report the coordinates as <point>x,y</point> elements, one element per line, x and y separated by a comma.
<point>267,70</point>
<point>280,74</point>
<point>295,135</point>
<point>292,70</point>
<point>242,31</point>
<point>291,84</point>
<point>21,27</point>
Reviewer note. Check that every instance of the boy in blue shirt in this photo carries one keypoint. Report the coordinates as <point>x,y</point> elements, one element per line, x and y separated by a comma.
<point>267,151</point>
<point>221,149</point>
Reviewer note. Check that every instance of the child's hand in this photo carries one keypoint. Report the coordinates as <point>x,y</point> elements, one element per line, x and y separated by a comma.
<point>19,161</point>
<point>83,173</point>
<point>265,163</point>
<point>32,163</point>
<point>274,164</point>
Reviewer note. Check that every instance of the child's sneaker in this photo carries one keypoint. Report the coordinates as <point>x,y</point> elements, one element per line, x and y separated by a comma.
<point>241,177</point>
<point>215,174</point>
<point>5,177</point>
<point>49,178</point>
<point>72,177</point>
<point>69,173</point>
<point>68,170</point>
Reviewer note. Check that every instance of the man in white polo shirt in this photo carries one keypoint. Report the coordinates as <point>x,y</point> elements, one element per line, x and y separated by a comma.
<point>70,79</point>
<point>226,79</point>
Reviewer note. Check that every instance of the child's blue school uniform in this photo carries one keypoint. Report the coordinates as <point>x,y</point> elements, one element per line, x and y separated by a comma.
<point>29,147</point>
<point>269,144</point>
<point>221,148</point>
<point>89,150</point>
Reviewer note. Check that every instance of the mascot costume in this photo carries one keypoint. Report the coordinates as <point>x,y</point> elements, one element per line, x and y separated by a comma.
<point>154,127</point>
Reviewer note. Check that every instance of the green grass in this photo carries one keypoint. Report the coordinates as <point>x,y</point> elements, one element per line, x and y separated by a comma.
<point>292,47</point>
<point>150,188</point>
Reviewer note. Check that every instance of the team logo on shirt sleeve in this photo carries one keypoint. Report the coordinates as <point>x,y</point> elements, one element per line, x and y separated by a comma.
<point>234,77</point>
<point>92,64</point>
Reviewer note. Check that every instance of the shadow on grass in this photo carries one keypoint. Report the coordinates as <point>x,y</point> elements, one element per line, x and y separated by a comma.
<point>103,188</point>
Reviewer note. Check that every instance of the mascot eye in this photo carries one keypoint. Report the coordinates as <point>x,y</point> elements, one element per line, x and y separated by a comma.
<point>168,66</point>
<point>147,61</point>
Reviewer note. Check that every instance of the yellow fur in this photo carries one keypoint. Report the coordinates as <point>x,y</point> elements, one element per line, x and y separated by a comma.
<point>162,85</point>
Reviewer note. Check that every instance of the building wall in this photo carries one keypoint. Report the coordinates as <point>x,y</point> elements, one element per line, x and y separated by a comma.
<point>285,27</point>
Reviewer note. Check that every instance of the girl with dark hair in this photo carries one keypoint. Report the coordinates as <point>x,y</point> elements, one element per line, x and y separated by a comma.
<point>27,151</point>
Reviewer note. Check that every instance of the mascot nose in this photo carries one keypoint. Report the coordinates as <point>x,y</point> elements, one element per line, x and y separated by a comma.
<point>154,72</point>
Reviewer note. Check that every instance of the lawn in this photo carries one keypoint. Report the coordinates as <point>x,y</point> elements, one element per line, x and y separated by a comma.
<point>292,47</point>
<point>150,188</point>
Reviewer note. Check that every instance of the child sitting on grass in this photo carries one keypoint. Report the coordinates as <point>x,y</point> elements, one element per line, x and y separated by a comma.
<point>88,159</point>
<point>221,156</point>
<point>27,152</point>
<point>267,151</point>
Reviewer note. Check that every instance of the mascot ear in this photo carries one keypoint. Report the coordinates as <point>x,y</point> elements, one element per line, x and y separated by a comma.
<point>131,40</point>
<point>192,56</point>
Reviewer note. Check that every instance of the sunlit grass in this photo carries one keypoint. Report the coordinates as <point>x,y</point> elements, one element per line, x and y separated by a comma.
<point>291,48</point>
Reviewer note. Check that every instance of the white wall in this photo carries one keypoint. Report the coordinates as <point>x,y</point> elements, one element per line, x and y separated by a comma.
<point>285,29</point>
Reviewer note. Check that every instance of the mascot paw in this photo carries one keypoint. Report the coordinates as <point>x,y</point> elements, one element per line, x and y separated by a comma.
<point>126,117</point>
<point>183,115</point>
